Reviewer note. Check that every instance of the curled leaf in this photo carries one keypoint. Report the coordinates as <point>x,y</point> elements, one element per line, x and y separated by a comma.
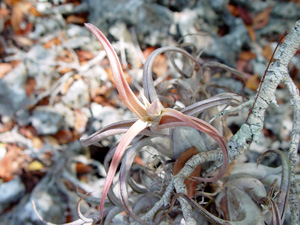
<point>220,99</point>
<point>148,84</point>
<point>173,118</point>
<point>124,170</point>
<point>284,189</point>
<point>134,130</point>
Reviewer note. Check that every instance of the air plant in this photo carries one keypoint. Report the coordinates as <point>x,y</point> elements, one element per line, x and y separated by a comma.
<point>241,196</point>
<point>152,119</point>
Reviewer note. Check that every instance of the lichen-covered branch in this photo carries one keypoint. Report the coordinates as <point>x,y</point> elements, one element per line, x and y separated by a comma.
<point>189,167</point>
<point>276,74</point>
<point>294,149</point>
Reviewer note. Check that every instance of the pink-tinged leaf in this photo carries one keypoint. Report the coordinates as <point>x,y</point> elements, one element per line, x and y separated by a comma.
<point>154,110</point>
<point>133,131</point>
<point>172,118</point>
<point>124,170</point>
<point>124,90</point>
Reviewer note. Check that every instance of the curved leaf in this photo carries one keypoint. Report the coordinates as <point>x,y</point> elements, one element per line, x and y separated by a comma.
<point>124,170</point>
<point>220,99</point>
<point>284,189</point>
<point>109,130</point>
<point>124,90</point>
<point>172,118</point>
<point>148,84</point>
<point>134,130</point>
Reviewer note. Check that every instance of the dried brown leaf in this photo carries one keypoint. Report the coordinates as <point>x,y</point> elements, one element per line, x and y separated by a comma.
<point>233,10</point>
<point>29,86</point>
<point>37,142</point>
<point>262,18</point>
<point>83,168</point>
<point>64,136</point>
<point>253,82</point>
<point>191,185</point>
<point>83,55</point>
<point>247,55</point>
<point>5,68</point>
<point>75,19</point>
<point>251,32</point>
<point>16,18</point>
<point>81,120</point>
<point>67,85</point>
<point>183,158</point>
<point>23,41</point>
<point>245,15</point>
<point>10,164</point>
<point>54,41</point>
<point>267,52</point>
<point>6,126</point>
<point>28,131</point>
<point>19,10</point>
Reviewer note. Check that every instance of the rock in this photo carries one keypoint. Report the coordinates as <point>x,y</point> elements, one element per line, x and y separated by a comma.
<point>227,47</point>
<point>176,5</point>
<point>44,26</point>
<point>77,95</point>
<point>150,20</point>
<point>39,61</point>
<point>50,203</point>
<point>46,120</point>
<point>11,192</point>
<point>288,10</point>
<point>78,36</point>
<point>278,120</point>
<point>12,92</point>
<point>66,112</point>
<point>106,114</point>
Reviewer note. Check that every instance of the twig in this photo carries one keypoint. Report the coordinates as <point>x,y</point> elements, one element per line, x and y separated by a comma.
<point>263,78</point>
<point>294,149</point>
<point>188,168</point>
<point>233,110</point>
<point>276,74</point>
<point>164,201</point>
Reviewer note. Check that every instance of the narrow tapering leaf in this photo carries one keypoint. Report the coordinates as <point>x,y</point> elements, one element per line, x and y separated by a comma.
<point>109,130</point>
<point>133,131</point>
<point>124,90</point>
<point>171,118</point>
<point>220,99</point>
<point>124,170</point>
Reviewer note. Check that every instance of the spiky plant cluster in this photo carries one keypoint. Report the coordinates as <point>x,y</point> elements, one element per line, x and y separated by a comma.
<point>182,157</point>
